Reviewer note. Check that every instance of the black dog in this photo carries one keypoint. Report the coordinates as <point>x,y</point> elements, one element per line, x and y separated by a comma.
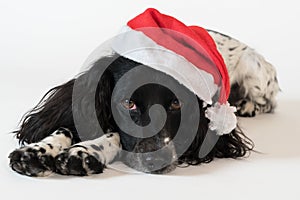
<point>50,131</point>
<point>62,132</point>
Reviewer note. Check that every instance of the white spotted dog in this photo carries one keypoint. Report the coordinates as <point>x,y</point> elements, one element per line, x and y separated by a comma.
<point>159,67</point>
<point>51,148</point>
<point>253,80</point>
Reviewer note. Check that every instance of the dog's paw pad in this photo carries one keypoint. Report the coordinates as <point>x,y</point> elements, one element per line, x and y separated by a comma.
<point>78,161</point>
<point>32,161</point>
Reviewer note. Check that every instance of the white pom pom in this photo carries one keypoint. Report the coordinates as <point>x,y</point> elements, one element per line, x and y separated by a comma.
<point>222,118</point>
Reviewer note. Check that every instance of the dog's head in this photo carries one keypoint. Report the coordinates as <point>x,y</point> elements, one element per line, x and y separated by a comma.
<point>153,149</point>
<point>156,153</point>
<point>159,153</point>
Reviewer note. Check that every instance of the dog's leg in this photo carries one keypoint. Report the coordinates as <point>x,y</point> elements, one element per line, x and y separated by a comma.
<point>89,157</point>
<point>253,80</point>
<point>38,159</point>
<point>255,84</point>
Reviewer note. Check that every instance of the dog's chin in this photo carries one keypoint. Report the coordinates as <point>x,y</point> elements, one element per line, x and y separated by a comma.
<point>141,168</point>
<point>164,170</point>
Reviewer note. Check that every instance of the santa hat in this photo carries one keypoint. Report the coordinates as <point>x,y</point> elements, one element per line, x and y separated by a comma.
<point>188,54</point>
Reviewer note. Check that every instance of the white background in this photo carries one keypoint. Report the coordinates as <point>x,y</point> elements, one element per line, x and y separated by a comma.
<point>44,43</point>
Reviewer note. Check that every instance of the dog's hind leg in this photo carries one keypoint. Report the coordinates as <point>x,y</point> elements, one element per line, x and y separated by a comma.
<point>253,80</point>
<point>254,85</point>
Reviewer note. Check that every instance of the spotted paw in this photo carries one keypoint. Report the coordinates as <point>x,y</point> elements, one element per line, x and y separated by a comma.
<point>37,159</point>
<point>77,160</point>
<point>32,160</point>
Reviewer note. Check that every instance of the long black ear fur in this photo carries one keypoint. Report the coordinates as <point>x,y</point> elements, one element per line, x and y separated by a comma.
<point>233,145</point>
<point>55,108</point>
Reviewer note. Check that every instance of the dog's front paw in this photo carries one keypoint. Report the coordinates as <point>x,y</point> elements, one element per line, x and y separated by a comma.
<point>77,160</point>
<point>32,160</point>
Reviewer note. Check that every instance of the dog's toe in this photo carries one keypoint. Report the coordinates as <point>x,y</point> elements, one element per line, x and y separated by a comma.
<point>246,108</point>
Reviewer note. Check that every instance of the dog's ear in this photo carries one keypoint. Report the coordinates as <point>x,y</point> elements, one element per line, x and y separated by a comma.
<point>49,114</point>
<point>56,108</point>
<point>233,145</point>
<point>91,105</point>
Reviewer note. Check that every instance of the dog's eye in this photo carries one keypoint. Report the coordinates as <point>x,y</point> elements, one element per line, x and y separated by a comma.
<point>128,104</point>
<point>175,105</point>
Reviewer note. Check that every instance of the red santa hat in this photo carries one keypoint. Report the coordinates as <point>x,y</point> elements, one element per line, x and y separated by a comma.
<point>188,54</point>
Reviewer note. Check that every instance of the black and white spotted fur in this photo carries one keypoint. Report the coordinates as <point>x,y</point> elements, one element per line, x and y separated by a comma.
<point>253,80</point>
<point>253,90</point>
<point>55,153</point>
